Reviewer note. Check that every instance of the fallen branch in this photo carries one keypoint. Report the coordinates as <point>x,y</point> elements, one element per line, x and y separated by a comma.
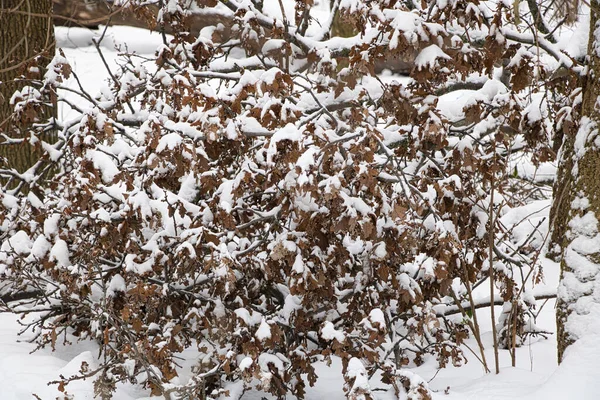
<point>466,306</point>
<point>8,298</point>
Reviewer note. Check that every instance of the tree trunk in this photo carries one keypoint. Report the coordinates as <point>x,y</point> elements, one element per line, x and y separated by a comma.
<point>563,196</point>
<point>26,45</point>
<point>577,214</point>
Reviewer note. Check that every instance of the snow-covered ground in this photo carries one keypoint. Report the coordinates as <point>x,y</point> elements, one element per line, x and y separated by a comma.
<point>536,376</point>
<point>25,374</point>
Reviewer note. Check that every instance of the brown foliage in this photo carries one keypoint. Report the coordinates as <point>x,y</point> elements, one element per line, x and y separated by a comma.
<point>279,209</point>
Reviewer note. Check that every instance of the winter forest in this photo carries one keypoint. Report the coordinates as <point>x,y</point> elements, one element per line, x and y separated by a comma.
<point>299,199</point>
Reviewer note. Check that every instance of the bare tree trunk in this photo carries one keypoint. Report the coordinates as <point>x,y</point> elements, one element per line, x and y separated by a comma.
<point>577,214</point>
<point>26,44</point>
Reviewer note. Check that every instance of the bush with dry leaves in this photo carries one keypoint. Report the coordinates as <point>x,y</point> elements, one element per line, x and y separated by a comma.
<point>257,193</point>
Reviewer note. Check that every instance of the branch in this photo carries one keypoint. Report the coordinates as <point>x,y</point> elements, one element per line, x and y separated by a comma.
<point>540,24</point>
<point>546,45</point>
<point>26,295</point>
<point>484,303</point>
<point>454,86</point>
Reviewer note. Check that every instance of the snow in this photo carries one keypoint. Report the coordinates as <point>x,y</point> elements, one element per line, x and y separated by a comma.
<point>524,219</point>
<point>536,376</point>
<point>298,266</point>
<point>380,251</point>
<point>169,141</point>
<point>23,373</point>
<point>428,57</point>
<point>60,253</point>
<point>19,242</point>
<point>264,331</point>
<point>329,332</point>
<point>355,205</point>
<point>289,132</point>
<point>586,132</point>
<point>291,304</point>
<point>245,363</point>
<point>577,377</point>
<point>377,318</point>
<point>104,163</point>
<point>353,246</point>
<point>574,41</point>
<point>117,284</point>
<point>357,370</point>
<point>273,45</point>
<point>264,360</point>
<point>249,319</point>
<point>40,247</point>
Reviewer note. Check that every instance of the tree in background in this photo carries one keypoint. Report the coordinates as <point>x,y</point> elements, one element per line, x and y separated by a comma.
<point>26,46</point>
<point>577,206</point>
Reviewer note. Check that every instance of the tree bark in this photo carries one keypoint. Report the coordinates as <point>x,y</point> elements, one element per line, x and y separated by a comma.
<point>578,213</point>
<point>26,45</point>
<point>563,196</point>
